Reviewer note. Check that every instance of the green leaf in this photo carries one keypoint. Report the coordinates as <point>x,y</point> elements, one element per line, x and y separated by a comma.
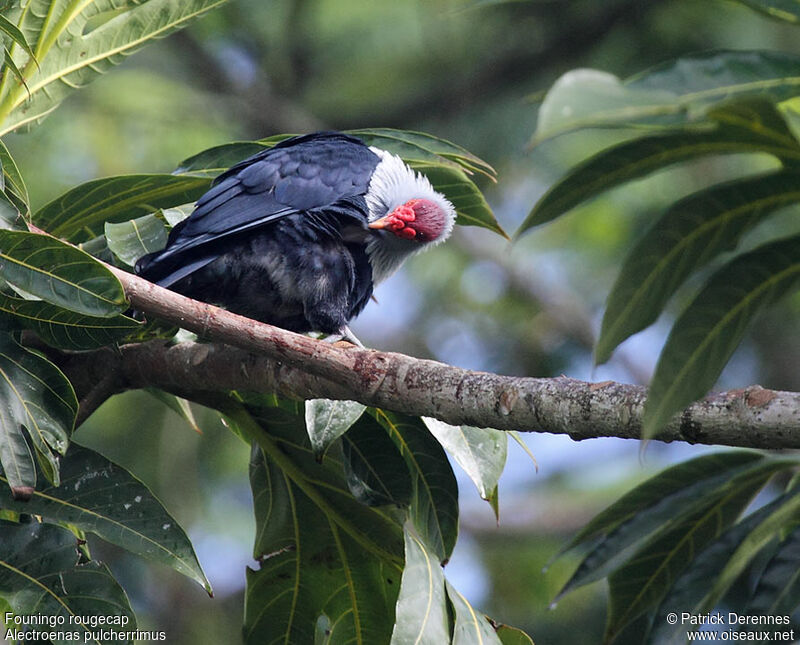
<point>64,329</point>
<point>434,499</point>
<point>515,435</point>
<point>376,472</point>
<point>674,93</point>
<point>481,452</point>
<point>213,161</point>
<point>313,575</point>
<point>151,330</point>
<point>328,420</point>
<point>100,497</point>
<point>744,126</point>
<point>35,394</point>
<point>513,636</point>
<point>694,591</point>
<point>81,213</point>
<point>73,50</point>
<point>471,627</point>
<point>783,516</point>
<point>642,581</point>
<point>277,521</point>
<point>669,482</point>
<point>178,405</point>
<point>132,239</point>
<point>41,574</point>
<point>585,98</point>
<point>277,426</point>
<point>176,214</point>
<point>423,148</point>
<point>13,184</point>
<point>709,330</point>
<point>631,521</point>
<point>17,38</point>
<point>471,206</point>
<point>408,145</point>
<point>60,274</point>
<point>10,216</point>
<point>421,616</point>
<point>98,248</point>
<point>13,32</point>
<point>691,233</point>
<point>10,65</point>
<point>787,10</point>
<point>777,590</point>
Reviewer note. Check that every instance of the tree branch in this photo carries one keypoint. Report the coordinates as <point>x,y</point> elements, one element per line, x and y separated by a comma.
<point>267,359</point>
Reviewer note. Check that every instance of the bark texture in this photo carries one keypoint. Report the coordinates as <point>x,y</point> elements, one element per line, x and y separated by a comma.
<point>246,355</point>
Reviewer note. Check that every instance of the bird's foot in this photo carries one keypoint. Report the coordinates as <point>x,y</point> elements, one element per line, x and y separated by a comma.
<point>345,333</point>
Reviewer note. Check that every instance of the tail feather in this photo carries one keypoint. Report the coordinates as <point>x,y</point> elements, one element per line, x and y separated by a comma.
<point>165,269</point>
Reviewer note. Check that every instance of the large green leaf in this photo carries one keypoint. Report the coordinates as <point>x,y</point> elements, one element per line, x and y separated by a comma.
<point>691,232</point>
<point>35,394</point>
<point>62,328</point>
<point>744,126</point>
<point>41,574</point>
<point>677,92</point>
<point>788,10</point>
<point>618,533</point>
<point>328,420</point>
<point>130,240</point>
<point>13,33</point>
<point>81,213</point>
<point>471,206</point>
<point>777,590</point>
<point>642,581</point>
<point>434,498</point>
<point>313,575</point>
<point>17,37</point>
<point>376,472</point>
<point>784,516</point>
<point>10,216</point>
<point>513,636</point>
<point>13,184</point>
<point>709,330</point>
<point>213,161</point>
<point>411,146</point>
<point>696,590</point>
<point>74,46</point>
<point>471,627</point>
<point>98,496</point>
<point>422,604</point>
<point>669,482</point>
<point>481,452</point>
<point>323,482</point>
<point>423,148</point>
<point>59,274</point>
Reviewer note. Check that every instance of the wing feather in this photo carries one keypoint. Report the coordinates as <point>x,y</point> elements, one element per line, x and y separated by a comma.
<point>295,176</point>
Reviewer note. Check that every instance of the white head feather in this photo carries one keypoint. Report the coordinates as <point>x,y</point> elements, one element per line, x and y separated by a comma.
<point>393,184</point>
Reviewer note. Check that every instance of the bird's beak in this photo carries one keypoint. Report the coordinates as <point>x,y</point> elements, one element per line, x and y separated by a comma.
<point>381,223</point>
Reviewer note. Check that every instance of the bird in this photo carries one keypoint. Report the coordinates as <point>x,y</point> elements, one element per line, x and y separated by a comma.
<point>298,235</point>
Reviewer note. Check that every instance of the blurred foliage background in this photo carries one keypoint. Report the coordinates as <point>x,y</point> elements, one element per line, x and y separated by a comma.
<point>470,71</point>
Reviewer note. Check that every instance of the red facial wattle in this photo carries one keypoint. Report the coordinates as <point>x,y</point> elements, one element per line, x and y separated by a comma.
<point>417,219</point>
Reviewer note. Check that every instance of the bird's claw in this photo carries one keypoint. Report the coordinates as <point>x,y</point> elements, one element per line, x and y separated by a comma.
<point>345,333</point>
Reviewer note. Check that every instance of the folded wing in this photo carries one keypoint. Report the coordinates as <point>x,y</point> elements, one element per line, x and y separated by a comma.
<point>296,176</point>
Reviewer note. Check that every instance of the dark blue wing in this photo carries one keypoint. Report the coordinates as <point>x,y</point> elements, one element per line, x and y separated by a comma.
<point>296,175</point>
